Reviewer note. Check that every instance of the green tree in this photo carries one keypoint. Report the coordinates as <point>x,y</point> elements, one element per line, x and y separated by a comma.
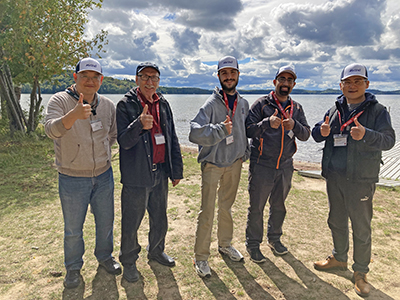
<point>42,38</point>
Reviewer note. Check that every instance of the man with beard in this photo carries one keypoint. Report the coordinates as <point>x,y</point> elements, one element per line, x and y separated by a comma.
<point>219,130</point>
<point>273,124</point>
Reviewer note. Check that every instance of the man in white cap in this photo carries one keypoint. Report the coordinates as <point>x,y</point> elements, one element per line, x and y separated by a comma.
<point>83,126</point>
<point>273,124</point>
<point>355,130</point>
<point>219,130</point>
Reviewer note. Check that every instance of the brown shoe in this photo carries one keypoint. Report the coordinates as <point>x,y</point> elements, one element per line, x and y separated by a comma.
<point>330,264</point>
<point>361,285</point>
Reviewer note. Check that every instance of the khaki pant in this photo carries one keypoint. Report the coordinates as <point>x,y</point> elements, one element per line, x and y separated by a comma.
<point>228,179</point>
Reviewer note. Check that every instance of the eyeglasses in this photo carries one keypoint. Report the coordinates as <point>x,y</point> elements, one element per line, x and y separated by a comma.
<point>357,82</point>
<point>87,78</point>
<point>147,77</point>
<point>283,79</point>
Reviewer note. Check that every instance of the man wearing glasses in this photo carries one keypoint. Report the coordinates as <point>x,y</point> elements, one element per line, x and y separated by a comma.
<point>355,130</point>
<point>149,154</point>
<point>273,124</point>
<point>83,127</point>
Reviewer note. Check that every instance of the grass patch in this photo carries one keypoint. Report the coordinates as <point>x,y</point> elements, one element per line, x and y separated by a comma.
<point>31,241</point>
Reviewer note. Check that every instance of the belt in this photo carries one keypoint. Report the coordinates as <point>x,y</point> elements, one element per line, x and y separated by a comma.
<point>158,166</point>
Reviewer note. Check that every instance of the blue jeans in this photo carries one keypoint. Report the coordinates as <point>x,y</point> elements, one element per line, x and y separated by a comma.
<point>134,203</point>
<point>76,193</point>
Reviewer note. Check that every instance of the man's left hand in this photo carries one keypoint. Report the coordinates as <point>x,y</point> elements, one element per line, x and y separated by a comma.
<point>175,182</point>
<point>357,132</point>
<point>288,124</point>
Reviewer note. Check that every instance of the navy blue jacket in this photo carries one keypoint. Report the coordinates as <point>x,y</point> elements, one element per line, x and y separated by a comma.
<point>359,160</point>
<point>136,146</point>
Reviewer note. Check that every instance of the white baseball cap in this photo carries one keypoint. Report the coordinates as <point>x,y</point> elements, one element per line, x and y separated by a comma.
<point>228,62</point>
<point>286,69</point>
<point>88,64</point>
<point>354,70</point>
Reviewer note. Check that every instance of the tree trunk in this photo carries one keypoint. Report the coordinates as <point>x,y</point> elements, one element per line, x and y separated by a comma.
<point>7,93</point>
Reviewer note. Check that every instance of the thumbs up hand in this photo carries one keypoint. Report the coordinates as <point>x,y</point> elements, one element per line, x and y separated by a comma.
<point>325,127</point>
<point>146,119</point>
<point>275,121</point>
<point>357,132</point>
<point>288,124</point>
<point>82,111</point>
<point>228,124</point>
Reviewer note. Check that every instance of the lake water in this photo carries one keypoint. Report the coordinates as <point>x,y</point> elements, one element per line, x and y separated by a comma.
<point>185,107</point>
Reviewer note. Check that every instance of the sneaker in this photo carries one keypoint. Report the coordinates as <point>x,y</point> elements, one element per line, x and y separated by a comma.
<point>232,253</point>
<point>111,266</point>
<point>131,273</point>
<point>256,255</point>
<point>202,268</point>
<point>278,248</point>
<point>72,279</point>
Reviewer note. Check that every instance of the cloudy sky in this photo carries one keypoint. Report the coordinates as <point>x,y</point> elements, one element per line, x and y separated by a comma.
<point>187,37</point>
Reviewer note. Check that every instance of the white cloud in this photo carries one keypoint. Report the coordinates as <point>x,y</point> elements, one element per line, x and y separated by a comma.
<point>319,37</point>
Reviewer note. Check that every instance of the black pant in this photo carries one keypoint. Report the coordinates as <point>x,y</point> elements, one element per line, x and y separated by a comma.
<point>135,201</point>
<point>266,184</point>
<point>352,200</point>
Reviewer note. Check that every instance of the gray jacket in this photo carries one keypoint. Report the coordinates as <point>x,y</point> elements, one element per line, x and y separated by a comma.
<point>207,130</point>
<point>80,151</point>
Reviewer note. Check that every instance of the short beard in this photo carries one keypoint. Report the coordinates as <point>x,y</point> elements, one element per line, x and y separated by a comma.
<point>284,93</point>
<point>226,89</point>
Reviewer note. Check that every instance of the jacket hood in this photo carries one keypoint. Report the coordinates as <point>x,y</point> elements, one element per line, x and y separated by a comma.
<point>368,98</point>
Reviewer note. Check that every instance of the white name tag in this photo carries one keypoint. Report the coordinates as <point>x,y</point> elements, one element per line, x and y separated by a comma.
<point>290,134</point>
<point>340,140</point>
<point>96,125</point>
<point>229,139</point>
<point>160,139</point>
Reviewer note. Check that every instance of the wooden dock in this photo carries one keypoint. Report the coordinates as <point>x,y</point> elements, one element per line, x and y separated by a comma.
<point>389,175</point>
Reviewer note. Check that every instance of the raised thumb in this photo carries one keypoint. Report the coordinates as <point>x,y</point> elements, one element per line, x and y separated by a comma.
<point>327,120</point>
<point>145,109</point>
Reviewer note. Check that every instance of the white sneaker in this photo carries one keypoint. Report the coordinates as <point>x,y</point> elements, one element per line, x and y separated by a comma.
<point>233,254</point>
<point>202,268</point>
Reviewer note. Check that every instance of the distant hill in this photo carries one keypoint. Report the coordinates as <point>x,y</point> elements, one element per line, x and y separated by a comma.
<point>117,86</point>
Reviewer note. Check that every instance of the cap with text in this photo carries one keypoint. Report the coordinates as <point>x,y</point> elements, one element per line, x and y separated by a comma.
<point>228,62</point>
<point>286,69</point>
<point>145,65</point>
<point>88,64</point>
<point>354,70</point>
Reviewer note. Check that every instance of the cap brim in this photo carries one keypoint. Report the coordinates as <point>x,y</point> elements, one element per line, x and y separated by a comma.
<point>287,71</point>
<point>141,69</point>
<point>353,76</point>
<point>227,68</point>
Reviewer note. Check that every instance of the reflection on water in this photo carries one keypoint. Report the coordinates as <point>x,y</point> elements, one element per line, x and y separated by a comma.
<point>185,107</point>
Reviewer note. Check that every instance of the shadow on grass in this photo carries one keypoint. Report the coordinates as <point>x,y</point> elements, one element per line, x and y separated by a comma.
<point>134,290</point>
<point>252,288</point>
<point>217,287</point>
<point>75,294</point>
<point>104,286</point>
<point>167,286</point>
